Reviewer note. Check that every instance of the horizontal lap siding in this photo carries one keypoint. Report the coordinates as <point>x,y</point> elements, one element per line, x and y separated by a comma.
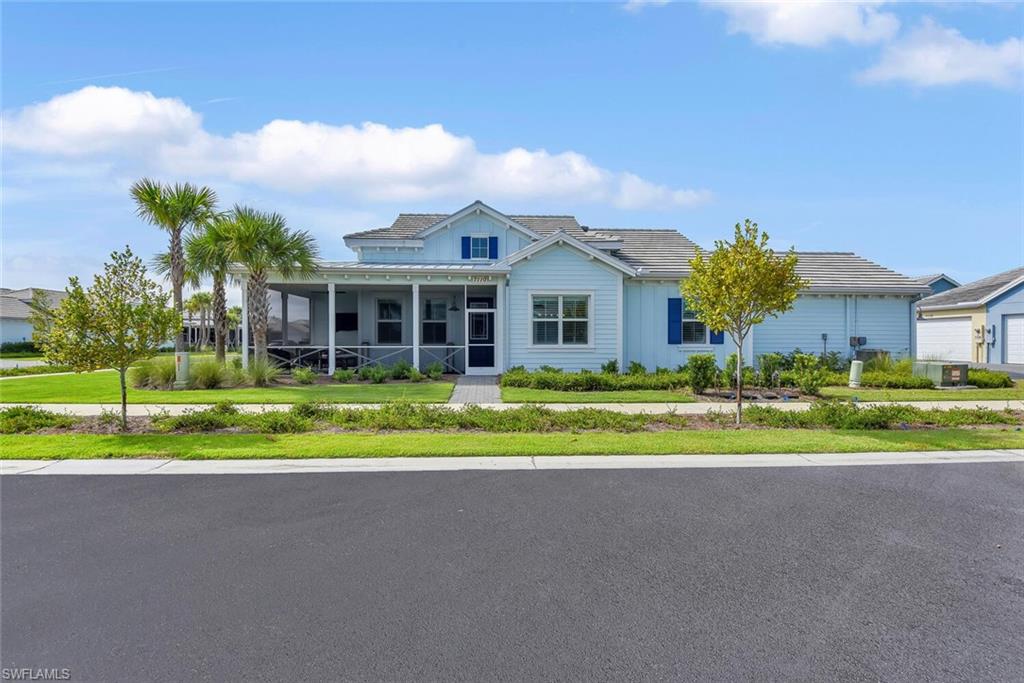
<point>563,269</point>
<point>999,309</point>
<point>885,322</point>
<point>802,327</point>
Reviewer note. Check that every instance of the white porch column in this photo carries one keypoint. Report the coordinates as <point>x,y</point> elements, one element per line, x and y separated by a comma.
<point>245,324</point>
<point>499,326</point>
<point>284,319</point>
<point>330,328</point>
<point>416,325</point>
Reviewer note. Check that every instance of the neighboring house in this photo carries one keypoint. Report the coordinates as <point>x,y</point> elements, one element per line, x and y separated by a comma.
<point>15,311</point>
<point>981,322</point>
<point>481,291</point>
<point>938,283</point>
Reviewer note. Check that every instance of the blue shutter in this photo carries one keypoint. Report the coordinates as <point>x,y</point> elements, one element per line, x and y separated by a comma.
<point>492,247</point>
<point>717,337</point>
<point>465,247</point>
<point>675,320</point>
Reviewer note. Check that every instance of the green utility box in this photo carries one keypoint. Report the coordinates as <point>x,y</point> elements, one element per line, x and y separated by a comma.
<point>943,374</point>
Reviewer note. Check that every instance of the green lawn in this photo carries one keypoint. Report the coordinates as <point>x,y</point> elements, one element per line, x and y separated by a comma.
<point>21,355</point>
<point>102,387</point>
<point>242,446</point>
<point>1016,393</point>
<point>524,395</point>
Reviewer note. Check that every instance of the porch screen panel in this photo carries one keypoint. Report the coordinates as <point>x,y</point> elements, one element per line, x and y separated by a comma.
<point>389,321</point>
<point>435,322</point>
<point>298,320</point>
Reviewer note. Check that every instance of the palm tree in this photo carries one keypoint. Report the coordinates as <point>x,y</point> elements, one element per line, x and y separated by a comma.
<point>206,253</point>
<point>234,322</point>
<point>174,208</point>
<point>193,307</point>
<point>201,303</point>
<point>261,242</point>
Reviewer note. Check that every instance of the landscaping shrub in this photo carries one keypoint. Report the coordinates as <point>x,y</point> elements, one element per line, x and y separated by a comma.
<point>610,367</point>
<point>205,420</point>
<point>636,368</point>
<point>343,375</point>
<point>988,379</point>
<point>880,363</point>
<point>834,361</point>
<point>376,374</point>
<point>729,372</point>
<point>808,374</point>
<point>415,375</point>
<point>894,380</point>
<point>304,375</point>
<point>25,419</point>
<point>207,374</point>
<point>276,422</point>
<point>235,376</point>
<point>263,372</point>
<point>593,381</point>
<point>769,369</point>
<point>548,368</point>
<point>844,415</point>
<point>225,415</point>
<point>314,410</point>
<point>401,369</point>
<point>435,370</point>
<point>154,373</point>
<point>701,369</point>
<point>19,347</point>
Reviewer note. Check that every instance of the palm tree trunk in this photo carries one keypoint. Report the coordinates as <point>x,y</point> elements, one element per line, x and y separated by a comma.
<point>220,316</point>
<point>259,312</point>
<point>177,283</point>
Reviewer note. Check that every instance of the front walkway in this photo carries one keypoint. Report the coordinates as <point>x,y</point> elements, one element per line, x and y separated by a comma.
<point>476,389</point>
<point>143,409</point>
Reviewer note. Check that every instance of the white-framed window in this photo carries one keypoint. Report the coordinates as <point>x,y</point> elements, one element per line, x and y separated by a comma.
<point>435,321</point>
<point>389,321</point>
<point>694,331</point>
<point>560,319</point>
<point>478,247</point>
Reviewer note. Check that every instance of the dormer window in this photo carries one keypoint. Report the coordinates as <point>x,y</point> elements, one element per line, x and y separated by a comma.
<point>478,248</point>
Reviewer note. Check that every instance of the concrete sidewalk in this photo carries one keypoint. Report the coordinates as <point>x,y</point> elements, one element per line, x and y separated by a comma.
<point>574,462</point>
<point>143,409</point>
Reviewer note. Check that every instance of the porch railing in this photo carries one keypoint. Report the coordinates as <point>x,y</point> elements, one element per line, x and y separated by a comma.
<point>360,355</point>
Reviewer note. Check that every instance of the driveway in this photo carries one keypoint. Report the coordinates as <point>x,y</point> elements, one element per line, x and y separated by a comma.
<point>875,572</point>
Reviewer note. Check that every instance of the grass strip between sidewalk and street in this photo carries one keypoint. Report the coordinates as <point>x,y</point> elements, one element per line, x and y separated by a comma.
<point>372,445</point>
<point>102,387</point>
<point>1015,393</point>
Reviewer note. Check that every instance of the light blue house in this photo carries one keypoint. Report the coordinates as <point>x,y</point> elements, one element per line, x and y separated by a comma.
<point>480,291</point>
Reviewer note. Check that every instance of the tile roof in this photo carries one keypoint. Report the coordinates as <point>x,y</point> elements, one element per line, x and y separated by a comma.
<point>976,292</point>
<point>843,271</point>
<point>14,303</point>
<point>667,253</point>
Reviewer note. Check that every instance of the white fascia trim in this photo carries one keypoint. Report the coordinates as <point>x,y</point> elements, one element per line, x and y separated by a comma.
<point>379,242</point>
<point>478,207</point>
<point>564,238</point>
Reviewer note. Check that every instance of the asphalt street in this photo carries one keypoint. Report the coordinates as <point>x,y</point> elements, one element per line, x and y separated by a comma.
<point>819,573</point>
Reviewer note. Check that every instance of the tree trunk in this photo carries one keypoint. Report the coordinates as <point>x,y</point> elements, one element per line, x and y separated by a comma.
<point>739,382</point>
<point>220,316</point>
<point>259,312</point>
<point>177,283</point>
<point>124,399</point>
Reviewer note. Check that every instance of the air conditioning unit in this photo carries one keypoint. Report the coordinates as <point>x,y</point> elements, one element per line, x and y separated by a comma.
<point>942,374</point>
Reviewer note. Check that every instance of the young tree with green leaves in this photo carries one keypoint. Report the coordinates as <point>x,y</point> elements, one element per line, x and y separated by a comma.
<point>121,319</point>
<point>176,209</point>
<point>738,285</point>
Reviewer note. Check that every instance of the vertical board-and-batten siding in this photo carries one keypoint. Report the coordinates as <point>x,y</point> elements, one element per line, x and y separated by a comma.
<point>445,245</point>
<point>645,328</point>
<point>563,269</point>
<point>885,321</point>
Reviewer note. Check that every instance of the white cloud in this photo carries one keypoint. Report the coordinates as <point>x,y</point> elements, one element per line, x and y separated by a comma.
<point>635,6</point>
<point>933,55</point>
<point>809,24</point>
<point>137,132</point>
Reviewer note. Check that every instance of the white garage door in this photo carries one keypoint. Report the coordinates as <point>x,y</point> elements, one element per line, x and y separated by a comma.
<point>944,339</point>
<point>1014,331</point>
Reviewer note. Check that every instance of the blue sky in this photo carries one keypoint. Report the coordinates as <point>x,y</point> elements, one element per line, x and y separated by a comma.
<point>891,130</point>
